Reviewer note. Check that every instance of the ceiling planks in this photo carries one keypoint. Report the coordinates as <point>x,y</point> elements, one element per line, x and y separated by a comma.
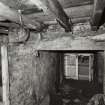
<point>73,12</point>
<point>74,21</point>
<point>79,11</point>
<point>53,7</point>
<point>7,24</point>
<point>74,3</point>
<point>12,15</point>
<point>27,4</point>
<point>62,10</point>
<point>73,8</point>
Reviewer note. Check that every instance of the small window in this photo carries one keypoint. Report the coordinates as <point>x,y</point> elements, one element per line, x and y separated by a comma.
<point>78,66</point>
<point>70,66</point>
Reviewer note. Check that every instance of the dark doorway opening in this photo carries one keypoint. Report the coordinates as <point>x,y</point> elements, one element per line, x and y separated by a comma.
<point>79,77</point>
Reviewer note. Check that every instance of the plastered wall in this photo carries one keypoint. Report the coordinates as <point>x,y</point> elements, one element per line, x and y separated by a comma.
<point>32,75</point>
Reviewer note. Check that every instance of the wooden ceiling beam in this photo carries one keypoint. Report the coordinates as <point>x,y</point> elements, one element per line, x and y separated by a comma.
<point>26,4</point>
<point>53,7</point>
<point>12,15</point>
<point>67,42</point>
<point>14,25</point>
<point>99,6</point>
<point>73,12</point>
<point>74,20</point>
<point>74,3</point>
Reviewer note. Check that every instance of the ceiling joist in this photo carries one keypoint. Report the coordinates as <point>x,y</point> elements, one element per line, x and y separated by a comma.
<point>74,3</point>
<point>53,7</point>
<point>75,13</point>
<point>67,42</point>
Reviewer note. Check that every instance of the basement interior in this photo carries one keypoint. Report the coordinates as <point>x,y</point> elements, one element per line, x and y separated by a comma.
<point>52,52</point>
<point>78,78</point>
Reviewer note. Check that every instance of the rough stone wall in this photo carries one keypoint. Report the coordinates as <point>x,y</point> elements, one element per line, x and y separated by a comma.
<point>32,75</point>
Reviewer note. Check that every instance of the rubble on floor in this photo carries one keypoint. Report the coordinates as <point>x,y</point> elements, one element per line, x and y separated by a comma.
<point>76,94</point>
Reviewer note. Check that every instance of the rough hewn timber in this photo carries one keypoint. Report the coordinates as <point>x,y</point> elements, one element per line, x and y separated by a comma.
<point>26,5</point>
<point>74,3</point>
<point>82,39</point>
<point>73,12</point>
<point>53,7</point>
<point>32,75</point>
<point>5,75</point>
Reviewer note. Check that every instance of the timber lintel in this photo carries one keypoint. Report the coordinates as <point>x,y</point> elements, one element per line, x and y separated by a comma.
<point>67,41</point>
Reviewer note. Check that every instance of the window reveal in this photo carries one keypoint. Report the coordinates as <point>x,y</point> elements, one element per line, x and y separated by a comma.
<point>78,66</point>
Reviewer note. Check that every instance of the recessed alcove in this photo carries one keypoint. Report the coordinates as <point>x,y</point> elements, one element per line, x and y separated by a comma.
<point>79,76</point>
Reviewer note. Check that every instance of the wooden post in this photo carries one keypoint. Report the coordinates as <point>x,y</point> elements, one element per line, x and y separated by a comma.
<point>77,76</point>
<point>61,67</point>
<point>104,75</point>
<point>5,75</point>
<point>90,66</point>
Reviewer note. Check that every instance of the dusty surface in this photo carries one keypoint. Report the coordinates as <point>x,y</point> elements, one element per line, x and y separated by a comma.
<point>31,75</point>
